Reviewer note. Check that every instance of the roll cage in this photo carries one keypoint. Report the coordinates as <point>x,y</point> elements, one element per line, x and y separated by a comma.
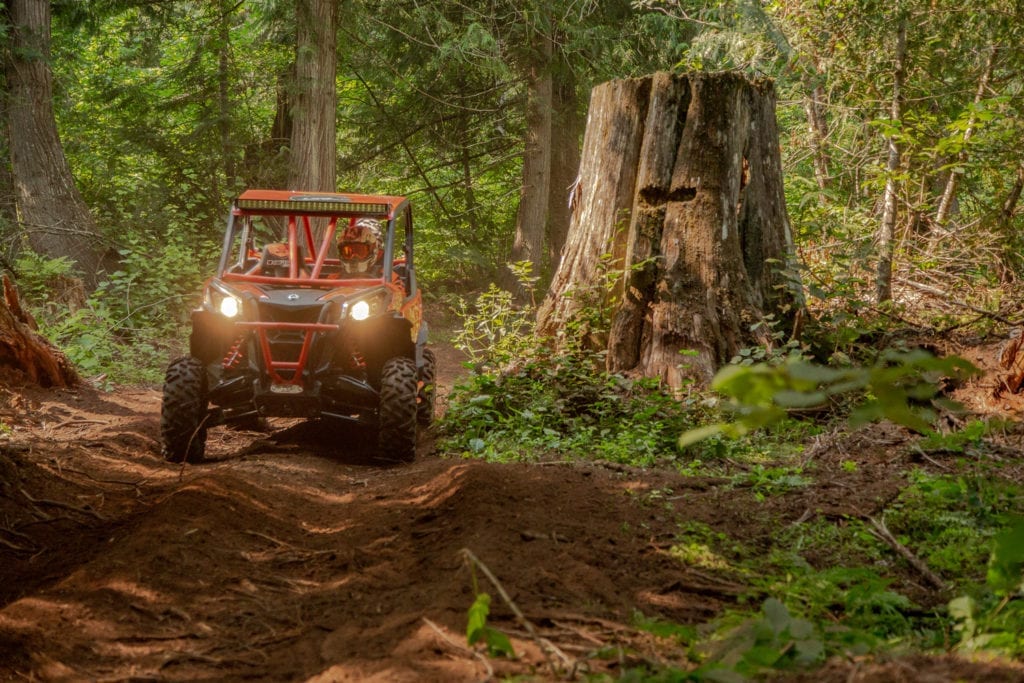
<point>311,221</point>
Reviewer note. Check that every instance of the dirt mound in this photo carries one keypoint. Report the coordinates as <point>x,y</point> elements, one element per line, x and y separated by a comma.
<point>291,555</point>
<point>280,562</point>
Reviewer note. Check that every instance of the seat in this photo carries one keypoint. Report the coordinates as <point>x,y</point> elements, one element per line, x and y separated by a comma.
<point>274,261</point>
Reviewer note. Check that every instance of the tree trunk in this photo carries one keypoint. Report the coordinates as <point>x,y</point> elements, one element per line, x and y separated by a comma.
<point>814,107</point>
<point>678,218</point>
<point>1006,212</point>
<point>949,193</point>
<point>21,348</point>
<point>531,218</point>
<point>566,127</point>
<point>8,206</point>
<point>314,105</point>
<point>887,228</point>
<point>266,163</point>
<point>51,211</point>
<point>224,117</point>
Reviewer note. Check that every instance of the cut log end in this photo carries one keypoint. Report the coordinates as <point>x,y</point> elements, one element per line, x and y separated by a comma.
<point>24,350</point>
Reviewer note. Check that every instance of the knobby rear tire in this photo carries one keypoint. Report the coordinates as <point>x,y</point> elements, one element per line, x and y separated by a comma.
<point>396,438</point>
<point>183,413</point>
<point>427,392</point>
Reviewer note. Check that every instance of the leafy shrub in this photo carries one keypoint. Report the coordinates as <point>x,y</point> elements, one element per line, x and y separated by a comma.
<point>127,328</point>
<point>566,405</point>
<point>901,386</point>
<point>522,403</point>
<point>495,331</point>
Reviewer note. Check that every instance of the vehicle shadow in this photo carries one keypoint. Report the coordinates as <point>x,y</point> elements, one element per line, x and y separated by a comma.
<point>342,442</point>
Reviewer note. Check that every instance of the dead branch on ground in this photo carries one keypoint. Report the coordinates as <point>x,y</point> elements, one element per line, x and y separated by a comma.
<point>546,646</point>
<point>459,648</point>
<point>882,533</point>
<point>63,506</point>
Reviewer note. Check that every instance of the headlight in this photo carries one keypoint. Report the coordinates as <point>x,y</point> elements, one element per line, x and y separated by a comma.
<point>229,307</point>
<point>224,302</point>
<point>360,310</point>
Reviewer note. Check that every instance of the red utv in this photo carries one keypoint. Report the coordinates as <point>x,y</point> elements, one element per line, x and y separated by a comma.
<point>313,312</point>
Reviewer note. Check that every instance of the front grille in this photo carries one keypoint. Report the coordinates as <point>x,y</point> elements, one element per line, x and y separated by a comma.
<point>278,313</point>
<point>286,345</point>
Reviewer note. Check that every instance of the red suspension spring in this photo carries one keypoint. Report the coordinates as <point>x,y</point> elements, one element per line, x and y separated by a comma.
<point>234,355</point>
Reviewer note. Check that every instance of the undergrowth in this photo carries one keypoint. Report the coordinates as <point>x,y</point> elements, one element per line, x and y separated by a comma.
<point>524,402</point>
<point>127,328</point>
<point>828,586</point>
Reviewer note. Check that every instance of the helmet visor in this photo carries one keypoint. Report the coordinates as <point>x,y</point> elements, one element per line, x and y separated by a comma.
<point>354,251</point>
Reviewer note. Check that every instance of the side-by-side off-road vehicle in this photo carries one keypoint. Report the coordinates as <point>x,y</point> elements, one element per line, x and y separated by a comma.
<point>314,313</point>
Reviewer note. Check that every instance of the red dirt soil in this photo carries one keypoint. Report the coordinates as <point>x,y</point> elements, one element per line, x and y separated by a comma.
<point>292,556</point>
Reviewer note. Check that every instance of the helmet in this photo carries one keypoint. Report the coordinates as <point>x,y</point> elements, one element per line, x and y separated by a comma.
<point>359,246</point>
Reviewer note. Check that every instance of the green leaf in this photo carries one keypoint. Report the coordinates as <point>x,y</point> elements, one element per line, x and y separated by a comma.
<point>477,617</point>
<point>692,436</point>
<point>814,373</point>
<point>809,650</point>
<point>962,607</point>
<point>477,630</point>
<point>498,644</point>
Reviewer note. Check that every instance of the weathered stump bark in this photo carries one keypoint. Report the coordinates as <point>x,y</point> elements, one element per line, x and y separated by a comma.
<point>681,197</point>
<point>1011,358</point>
<point>23,349</point>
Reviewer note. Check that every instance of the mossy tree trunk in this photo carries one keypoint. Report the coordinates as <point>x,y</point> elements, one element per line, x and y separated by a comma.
<point>51,212</point>
<point>679,226</point>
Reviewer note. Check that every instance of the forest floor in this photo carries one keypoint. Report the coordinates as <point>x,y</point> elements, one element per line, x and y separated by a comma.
<point>288,556</point>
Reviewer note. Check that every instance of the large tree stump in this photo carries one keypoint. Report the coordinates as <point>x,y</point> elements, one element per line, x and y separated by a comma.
<point>680,196</point>
<point>25,350</point>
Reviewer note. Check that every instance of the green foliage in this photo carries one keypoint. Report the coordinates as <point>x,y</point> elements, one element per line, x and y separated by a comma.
<point>564,405</point>
<point>994,621</point>
<point>127,328</point>
<point>37,277</point>
<point>682,634</point>
<point>1006,563</point>
<point>901,387</point>
<point>477,630</point>
<point>777,351</point>
<point>775,640</point>
<point>970,437</point>
<point>155,284</point>
<point>952,519</point>
<point>766,481</point>
<point>522,403</point>
<point>496,331</point>
<point>858,603</point>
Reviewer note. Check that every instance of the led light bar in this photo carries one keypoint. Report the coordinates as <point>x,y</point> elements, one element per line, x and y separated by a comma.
<point>313,205</point>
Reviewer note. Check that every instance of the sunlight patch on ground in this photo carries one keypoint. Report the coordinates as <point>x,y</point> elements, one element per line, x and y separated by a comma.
<point>668,601</point>
<point>438,489</point>
<point>134,590</point>
<point>30,614</point>
<point>315,493</point>
<point>326,530</point>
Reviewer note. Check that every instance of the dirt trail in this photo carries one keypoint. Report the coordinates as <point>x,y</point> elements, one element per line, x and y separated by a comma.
<point>292,556</point>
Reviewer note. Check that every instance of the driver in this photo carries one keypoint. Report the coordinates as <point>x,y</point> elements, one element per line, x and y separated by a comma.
<point>360,247</point>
